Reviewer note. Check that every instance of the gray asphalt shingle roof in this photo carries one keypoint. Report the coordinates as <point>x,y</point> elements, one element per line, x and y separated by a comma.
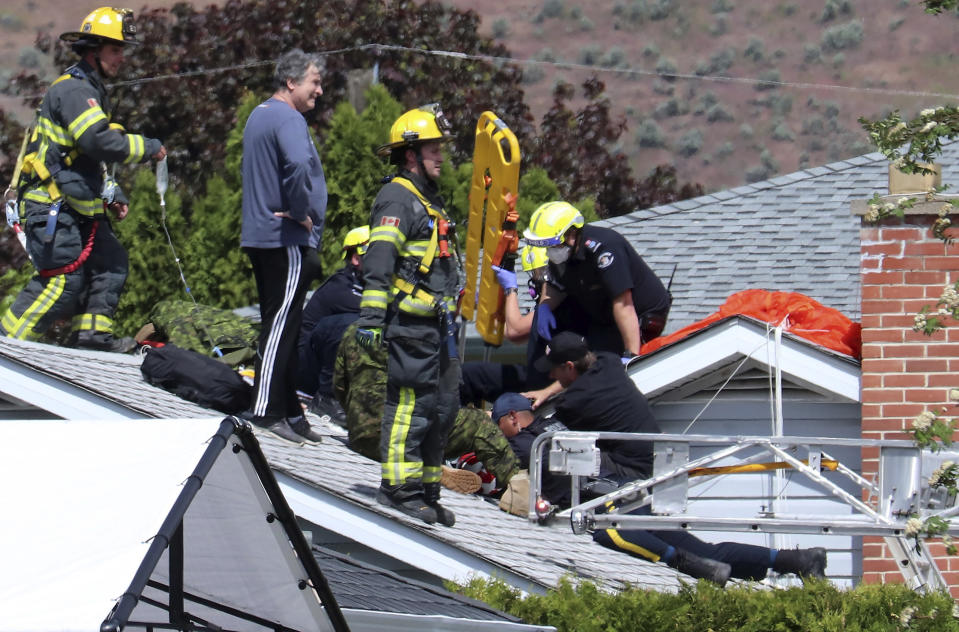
<point>792,233</point>
<point>542,555</point>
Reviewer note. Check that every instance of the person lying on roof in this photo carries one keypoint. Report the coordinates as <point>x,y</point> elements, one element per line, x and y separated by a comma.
<point>598,395</point>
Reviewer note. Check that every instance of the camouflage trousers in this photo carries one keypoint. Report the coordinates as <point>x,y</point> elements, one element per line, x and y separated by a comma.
<point>359,383</point>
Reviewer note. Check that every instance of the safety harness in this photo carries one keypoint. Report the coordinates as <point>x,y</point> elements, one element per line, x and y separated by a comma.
<point>36,175</point>
<point>438,246</point>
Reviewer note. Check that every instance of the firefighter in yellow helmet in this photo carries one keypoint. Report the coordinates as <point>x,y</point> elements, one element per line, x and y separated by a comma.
<point>331,309</point>
<point>64,193</point>
<point>412,279</point>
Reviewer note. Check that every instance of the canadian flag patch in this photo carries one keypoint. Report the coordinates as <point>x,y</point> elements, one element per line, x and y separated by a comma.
<point>92,103</point>
<point>390,221</point>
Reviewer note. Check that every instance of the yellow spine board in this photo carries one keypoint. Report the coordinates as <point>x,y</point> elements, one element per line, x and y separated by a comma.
<point>496,155</point>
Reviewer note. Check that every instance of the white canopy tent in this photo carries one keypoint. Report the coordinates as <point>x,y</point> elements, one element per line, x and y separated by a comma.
<point>129,524</point>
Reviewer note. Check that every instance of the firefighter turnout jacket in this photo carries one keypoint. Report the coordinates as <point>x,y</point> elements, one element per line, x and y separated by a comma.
<point>408,262</point>
<point>72,137</point>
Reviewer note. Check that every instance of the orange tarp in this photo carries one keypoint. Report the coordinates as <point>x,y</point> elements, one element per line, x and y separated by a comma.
<point>804,317</point>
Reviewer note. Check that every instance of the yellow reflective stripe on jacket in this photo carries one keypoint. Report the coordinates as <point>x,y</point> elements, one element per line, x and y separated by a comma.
<point>376,299</point>
<point>415,248</point>
<point>54,132</point>
<point>38,195</point>
<point>87,118</point>
<point>94,322</point>
<point>85,207</point>
<point>389,234</point>
<point>137,148</point>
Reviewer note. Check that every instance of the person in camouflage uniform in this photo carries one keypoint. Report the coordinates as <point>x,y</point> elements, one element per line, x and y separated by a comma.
<point>359,383</point>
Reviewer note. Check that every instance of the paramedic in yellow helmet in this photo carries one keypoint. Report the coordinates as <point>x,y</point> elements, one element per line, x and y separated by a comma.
<point>411,281</point>
<point>623,302</point>
<point>64,193</point>
<point>330,310</point>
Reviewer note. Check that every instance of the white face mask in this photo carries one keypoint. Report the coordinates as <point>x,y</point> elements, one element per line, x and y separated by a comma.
<point>558,254</point>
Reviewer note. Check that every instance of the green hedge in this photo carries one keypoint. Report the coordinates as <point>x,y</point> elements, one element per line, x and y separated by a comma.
<point>817,607</point>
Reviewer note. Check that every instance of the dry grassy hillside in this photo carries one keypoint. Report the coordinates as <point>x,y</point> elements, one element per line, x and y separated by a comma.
<point>824,63</point>
<point>840,59</point>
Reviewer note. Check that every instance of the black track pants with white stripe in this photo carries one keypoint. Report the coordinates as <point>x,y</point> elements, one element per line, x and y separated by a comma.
<point>283,276</point>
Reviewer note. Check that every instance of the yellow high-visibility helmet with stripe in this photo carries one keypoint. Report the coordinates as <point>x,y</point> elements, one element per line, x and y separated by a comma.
<point>356,239</point>
<point>549,224</point>
<point>424,124</point>
<point>533,258</point>
<point>108,24</point>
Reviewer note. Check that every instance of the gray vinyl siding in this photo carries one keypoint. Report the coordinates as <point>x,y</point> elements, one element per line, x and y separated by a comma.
<point>747,411</point>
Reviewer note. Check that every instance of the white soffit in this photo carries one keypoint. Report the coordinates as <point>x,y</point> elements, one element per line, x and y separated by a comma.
<point>731,340</point>
<point>58,396</point>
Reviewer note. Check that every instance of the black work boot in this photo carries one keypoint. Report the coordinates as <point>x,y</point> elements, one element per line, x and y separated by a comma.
<point>103,341</point>
<point>302,427</point>
<point>701,567</point>
<point>444,516</point>
<point>324,405</point>
<point>802,562</point>
<point>407,498</point>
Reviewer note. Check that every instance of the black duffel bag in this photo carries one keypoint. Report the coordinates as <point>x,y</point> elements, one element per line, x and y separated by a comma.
<point>197,378</point>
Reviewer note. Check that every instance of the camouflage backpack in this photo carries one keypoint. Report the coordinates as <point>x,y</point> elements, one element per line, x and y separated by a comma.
<point>206,330</point>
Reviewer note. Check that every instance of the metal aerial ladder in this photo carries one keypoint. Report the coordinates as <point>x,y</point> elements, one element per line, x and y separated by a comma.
<point>881,509</point>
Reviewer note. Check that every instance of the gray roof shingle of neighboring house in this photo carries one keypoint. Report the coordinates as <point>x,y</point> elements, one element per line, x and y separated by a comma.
<point>793,233</point>
<point>362,586</point>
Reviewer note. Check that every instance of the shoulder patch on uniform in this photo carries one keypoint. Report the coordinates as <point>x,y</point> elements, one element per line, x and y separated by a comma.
<point>592,244</point>
<point>604,260</point>
<point>93,103</point>
<point>389,220</point>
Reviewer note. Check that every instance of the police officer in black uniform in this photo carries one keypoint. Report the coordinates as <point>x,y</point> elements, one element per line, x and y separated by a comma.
<point>411,283</point>
<point>64,193</point>
<point>623,302</point>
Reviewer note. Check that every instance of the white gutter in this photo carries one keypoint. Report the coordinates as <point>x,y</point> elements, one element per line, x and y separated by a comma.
<point>372,621</point>
<point>394,539</point>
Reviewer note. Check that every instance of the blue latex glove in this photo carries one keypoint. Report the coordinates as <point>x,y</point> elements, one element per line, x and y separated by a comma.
<point>545,321</point>
<point>505,278</point>
<point>370,337</point>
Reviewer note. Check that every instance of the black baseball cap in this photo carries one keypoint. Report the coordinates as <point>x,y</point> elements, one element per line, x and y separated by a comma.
<point>564,347</point>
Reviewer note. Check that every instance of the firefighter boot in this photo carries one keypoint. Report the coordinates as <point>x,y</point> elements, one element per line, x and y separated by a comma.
<point>802,562</point>
<point>104,341</point>
<point>700,567</point>
<point>407,498</point>
<point>431,491</point>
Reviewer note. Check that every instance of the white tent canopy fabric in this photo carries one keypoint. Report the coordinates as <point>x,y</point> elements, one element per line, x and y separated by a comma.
<point>84,502</point>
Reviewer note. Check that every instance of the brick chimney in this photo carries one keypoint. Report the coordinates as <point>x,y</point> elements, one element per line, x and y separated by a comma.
<point>903,268</point>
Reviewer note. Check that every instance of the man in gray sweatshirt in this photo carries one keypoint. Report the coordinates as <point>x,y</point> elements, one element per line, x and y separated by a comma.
<point>284,208</point>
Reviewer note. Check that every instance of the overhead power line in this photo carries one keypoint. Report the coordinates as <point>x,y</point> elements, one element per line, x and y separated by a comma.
<point>542,63</point>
